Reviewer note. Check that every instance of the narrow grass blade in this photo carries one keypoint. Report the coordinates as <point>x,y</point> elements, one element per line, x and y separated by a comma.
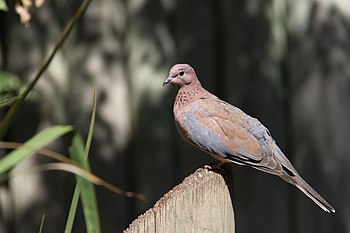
<point>74,169</point>
<point>75,199</point>
<point>32,145</point>
<point>72,210</point>
<point>42,224</point>
<point>91,129</point>
<point>88,197</point>
<point>9,101</point>
<point>7,119</point>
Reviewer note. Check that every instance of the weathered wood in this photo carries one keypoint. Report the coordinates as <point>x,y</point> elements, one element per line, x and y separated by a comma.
<point>201,203</point>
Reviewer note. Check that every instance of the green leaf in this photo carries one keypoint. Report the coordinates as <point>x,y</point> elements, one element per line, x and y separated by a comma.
<point>72,210</point>
<point>3,6</point>
<point>7,119</point>
<point>91,129</point>
<point>88,196</point>
<point>9,86</point>
<point>35,143</point>
<point>42,224</point>
<point>9,83</point>
<point>75,199</point>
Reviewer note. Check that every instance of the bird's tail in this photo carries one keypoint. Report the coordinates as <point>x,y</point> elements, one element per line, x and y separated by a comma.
<point>308,191</point>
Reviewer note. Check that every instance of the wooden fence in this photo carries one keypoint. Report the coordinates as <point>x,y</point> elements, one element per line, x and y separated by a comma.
<point>201,203</point>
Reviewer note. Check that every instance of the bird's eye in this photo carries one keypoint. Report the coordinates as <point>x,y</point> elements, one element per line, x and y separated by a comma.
<point>181,73</point>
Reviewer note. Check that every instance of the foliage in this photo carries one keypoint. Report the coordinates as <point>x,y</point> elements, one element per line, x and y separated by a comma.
<point>78,164</point>
<point>3,5</point>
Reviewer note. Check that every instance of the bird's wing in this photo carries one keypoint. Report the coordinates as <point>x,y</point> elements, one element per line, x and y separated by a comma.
<point>219,128</point>
<point>274,161</point>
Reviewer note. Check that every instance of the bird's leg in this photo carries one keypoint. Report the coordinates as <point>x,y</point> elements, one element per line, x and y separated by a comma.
<point>215,166</point>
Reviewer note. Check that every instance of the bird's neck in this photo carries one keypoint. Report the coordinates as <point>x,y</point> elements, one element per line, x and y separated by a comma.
<point>187,94</point>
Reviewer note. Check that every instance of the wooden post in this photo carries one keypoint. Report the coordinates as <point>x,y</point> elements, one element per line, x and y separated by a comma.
<point>201,203</point>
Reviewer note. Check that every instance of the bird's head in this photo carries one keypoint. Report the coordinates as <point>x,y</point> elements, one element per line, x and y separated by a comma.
<point>181,75</point>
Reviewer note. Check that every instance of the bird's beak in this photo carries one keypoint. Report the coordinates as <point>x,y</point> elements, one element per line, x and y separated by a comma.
<point>168,80</point>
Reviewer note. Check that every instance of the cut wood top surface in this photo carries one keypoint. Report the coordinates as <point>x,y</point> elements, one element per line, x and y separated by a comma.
<point>201,203</point>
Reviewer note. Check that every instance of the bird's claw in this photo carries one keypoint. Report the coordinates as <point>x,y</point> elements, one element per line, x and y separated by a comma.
<point>214,166</point>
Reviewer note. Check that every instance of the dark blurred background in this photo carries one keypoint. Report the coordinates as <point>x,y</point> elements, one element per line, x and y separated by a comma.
<point>286,62</point>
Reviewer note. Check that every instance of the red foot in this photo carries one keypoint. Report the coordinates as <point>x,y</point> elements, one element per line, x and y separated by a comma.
<point>215,166</point>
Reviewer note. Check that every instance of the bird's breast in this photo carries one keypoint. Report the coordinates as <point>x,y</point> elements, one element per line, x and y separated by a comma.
<point>180,123</point>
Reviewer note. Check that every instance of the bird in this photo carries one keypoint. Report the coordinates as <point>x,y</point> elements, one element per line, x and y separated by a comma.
<point>228,134</point>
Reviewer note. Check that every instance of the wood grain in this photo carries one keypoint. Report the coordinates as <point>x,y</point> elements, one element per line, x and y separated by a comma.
<point>201,203</point>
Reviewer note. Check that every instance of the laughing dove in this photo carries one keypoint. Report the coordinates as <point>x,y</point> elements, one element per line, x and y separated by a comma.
<point>228,134</point>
